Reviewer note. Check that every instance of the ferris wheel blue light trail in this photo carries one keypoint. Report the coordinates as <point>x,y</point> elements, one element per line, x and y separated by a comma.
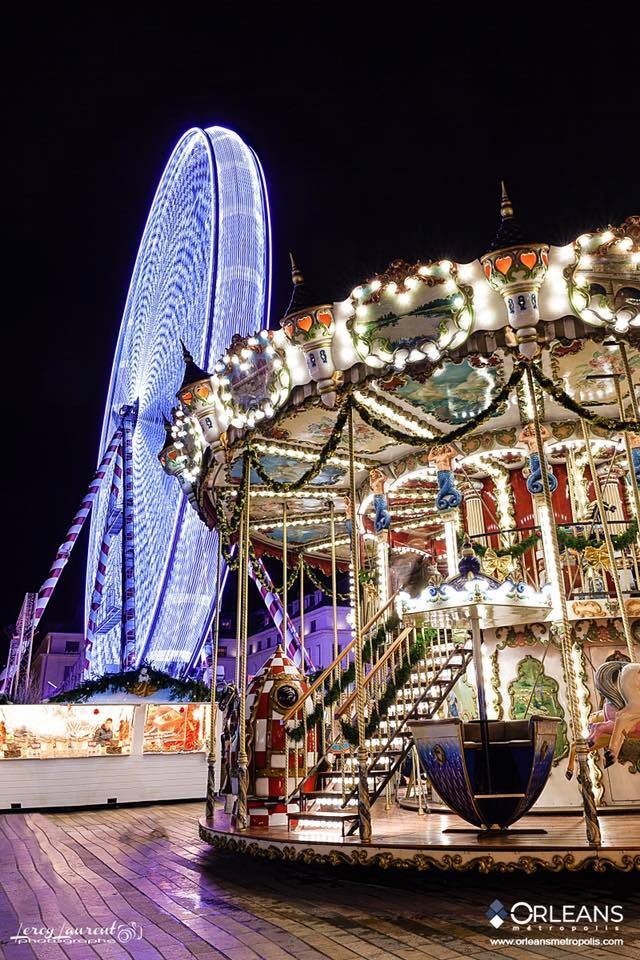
<point>203,272</point>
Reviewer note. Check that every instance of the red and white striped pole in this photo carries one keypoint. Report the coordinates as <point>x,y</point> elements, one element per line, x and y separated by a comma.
<point>65,548</point>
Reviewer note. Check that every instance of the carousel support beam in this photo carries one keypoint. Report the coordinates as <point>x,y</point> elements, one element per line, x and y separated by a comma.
<point>582,749</point>
<point>241,813</point>
<point>364,809</point>
<point>604,521</point>
<point>334,580</point>
<point>476,642</point>
<point>302,651</point>
<point>451,541</point>
<point>211,757</point>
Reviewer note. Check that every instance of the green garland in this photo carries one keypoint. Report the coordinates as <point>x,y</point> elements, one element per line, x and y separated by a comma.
<point>383,427</point>
<point>327,451</point>
<point>345,679</point>
<point>611,424</point>
<point>191,691</point>
<point>515,551</point>
<point>579,544</point>
<point>315,580</point>
<point>400,677</point>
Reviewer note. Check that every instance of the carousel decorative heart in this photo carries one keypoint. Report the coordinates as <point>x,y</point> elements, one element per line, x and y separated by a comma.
<point>324,317</point>
<point>503,265</point>
<point>202,391</point>
<point>529,259</point>
<point>187,397</point>
<point>545,258</point>
<point>305,323</point>
<point>288,329</point>
<point>487,270</point>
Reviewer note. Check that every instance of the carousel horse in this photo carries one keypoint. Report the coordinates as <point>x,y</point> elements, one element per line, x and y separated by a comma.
<point>423,573</point>
<point>619,683</point>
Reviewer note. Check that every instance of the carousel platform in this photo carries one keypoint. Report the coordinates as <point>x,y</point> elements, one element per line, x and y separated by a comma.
<point>404,839</point>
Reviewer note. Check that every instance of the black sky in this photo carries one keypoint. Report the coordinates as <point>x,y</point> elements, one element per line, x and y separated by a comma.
<point>382,135</point>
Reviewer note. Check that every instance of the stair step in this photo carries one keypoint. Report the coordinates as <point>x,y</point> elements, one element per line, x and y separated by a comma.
<point>322,795</point>
<point>323,815</point>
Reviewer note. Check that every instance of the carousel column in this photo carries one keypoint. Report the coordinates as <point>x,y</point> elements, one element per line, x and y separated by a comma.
<point>631,440</point>
<point>610,480</point>
<point>334,580</point>
<point>552,560</point>
<point>609,544</point>
<point>471,491</point>
<point>382,525</point>
<point>364,810</point>
<point>241,814</point>
<point>541,476</point>
<point>448,500</point>
<point>211,757</point>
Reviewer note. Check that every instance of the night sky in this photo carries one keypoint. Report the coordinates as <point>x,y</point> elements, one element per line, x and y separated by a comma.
<point>380,138</point>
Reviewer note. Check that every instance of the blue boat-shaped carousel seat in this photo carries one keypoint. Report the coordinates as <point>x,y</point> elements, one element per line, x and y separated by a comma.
<point>489,781</point>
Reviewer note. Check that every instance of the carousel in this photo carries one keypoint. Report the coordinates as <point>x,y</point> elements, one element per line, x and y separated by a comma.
<point>460,443</point>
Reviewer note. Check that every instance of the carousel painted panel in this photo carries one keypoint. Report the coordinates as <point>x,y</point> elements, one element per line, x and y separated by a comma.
<point>452,393</point>
<point>288,469</point>
<point>312,426</point>
<point>526,678</point>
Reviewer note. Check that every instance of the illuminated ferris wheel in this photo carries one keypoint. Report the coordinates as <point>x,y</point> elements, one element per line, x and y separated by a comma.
<point>202,273</point>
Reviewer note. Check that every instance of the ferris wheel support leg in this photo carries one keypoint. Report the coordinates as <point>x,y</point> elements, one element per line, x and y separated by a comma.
<point>129,415</point>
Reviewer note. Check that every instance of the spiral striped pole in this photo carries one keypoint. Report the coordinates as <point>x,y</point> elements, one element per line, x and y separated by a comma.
<point>272,602</point>
<point>129,416</point>
<point>113,524</point>
<point>65,548</point>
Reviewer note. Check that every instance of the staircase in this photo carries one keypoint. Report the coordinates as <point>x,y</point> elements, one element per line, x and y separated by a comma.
<point>333,805</point>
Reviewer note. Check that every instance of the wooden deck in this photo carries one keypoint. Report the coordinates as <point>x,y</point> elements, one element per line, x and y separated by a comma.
<point>143,870</point>
<point>402,838</point>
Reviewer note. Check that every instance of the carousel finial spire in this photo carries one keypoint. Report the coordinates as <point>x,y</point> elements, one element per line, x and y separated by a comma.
<point>506,209</point>
<point>192,372</point>
<point>296,274</point>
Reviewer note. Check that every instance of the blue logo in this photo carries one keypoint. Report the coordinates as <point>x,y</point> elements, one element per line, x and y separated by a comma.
<point>496,914</point>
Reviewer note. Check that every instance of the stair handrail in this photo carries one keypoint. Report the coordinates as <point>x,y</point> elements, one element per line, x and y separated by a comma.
<point>402,636</point>
<point>334,663</point>
<point>460,648</point>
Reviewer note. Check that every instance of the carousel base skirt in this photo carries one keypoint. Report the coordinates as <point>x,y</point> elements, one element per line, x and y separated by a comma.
<point>408,840</point>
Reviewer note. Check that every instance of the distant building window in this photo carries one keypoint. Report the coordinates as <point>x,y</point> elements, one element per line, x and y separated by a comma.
<point>312,626</point>
<point>67,672</point>
<point>259,645</point>
<point>72,646</point>
<point>226,623</point>
<point>222,651</point>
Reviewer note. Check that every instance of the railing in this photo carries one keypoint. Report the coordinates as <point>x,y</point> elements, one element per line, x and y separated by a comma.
<point>586,572</point>
<point>330,732</point>
<point>376,678</point>
<point>334,667</point>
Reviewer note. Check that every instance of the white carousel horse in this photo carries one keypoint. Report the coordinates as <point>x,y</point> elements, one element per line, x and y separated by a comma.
<point>619,683</point>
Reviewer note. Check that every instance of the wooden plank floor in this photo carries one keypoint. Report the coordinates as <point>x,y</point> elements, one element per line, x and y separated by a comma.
<point>146,866</point>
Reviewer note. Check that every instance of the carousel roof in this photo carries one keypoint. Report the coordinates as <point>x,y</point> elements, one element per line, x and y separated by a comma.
<point>426,353</point>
